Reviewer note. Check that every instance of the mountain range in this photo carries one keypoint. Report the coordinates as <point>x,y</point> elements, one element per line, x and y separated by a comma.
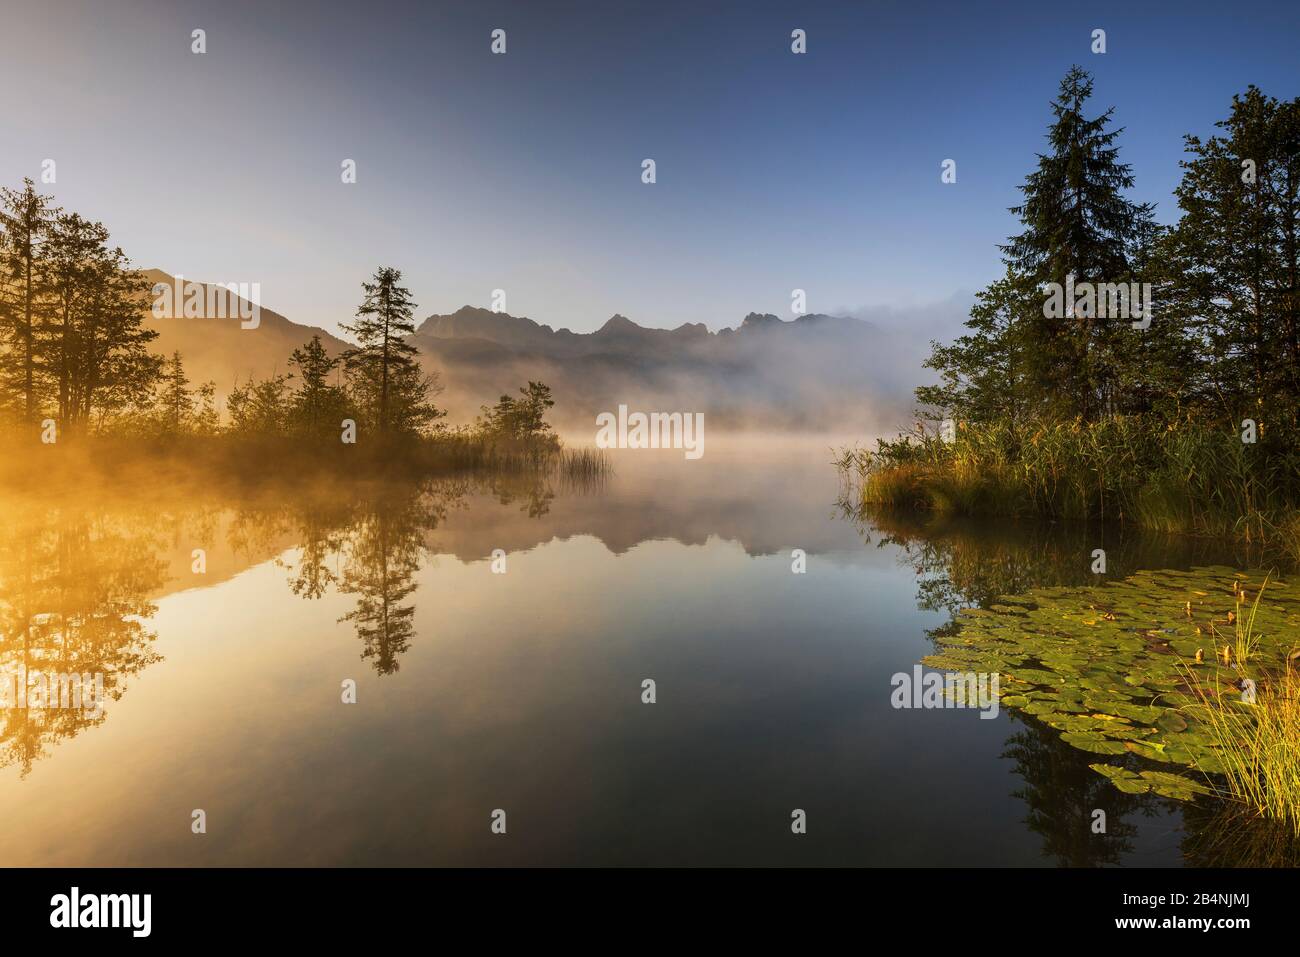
<point>814,372</point>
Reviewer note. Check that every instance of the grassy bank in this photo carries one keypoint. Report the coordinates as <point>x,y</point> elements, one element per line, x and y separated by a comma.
<point>1185,477</point>
<point>230,460</point>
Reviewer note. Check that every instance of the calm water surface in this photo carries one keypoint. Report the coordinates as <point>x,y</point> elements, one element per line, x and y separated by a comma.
<point>522,691</point>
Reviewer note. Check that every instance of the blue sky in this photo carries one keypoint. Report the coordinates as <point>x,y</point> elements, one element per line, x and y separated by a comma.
<point>522,172</point>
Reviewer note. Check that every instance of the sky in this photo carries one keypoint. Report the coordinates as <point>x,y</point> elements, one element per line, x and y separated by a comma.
<point>523,172</point>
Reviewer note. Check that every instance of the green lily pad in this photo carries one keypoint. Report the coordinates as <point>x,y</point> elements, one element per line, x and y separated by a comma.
<point>1174,785</point>
<point>1094,742</point>
<point>1123,778</point>
<point>1111,666</point>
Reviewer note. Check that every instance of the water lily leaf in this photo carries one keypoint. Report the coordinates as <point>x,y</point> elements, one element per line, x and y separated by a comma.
<point>1172,721</point>
<point>1093,742</point>
<point>1145,714</point>
<point>1109,666</point>
<point>1174,785</point>
<point>1122,778</point>
<point>1146,749</point>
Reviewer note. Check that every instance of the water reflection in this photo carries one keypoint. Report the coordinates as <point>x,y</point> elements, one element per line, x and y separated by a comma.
<point>968,563</point>
<point>479,690</point>
<point>73,601</point>
<point>1061,795</point>
<point>77,584</point>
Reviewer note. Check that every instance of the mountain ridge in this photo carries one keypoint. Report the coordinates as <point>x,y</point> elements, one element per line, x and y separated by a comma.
<point>806,372</point>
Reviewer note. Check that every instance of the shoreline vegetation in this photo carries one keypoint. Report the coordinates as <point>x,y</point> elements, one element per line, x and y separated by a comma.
<point>1190,477</point>
<point>1182,417</point>
<point>1061,402</point>
<point>76,375</point>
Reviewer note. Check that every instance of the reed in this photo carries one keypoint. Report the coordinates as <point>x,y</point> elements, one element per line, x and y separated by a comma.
<point>1188,477</point>
<point>1259,741</point>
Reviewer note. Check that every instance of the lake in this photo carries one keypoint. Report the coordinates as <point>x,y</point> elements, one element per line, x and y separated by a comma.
<point>499,633</point>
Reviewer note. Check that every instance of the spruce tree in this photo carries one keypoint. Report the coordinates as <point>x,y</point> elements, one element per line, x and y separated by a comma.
<point>383,371</point>
<point>1077,223</point>
<point>318,407</point>
<point>1234,256</point>
<point>175,404</point>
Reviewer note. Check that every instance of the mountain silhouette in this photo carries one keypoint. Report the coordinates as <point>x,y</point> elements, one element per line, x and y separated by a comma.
<point>814,372</point>
<point>221,351</point>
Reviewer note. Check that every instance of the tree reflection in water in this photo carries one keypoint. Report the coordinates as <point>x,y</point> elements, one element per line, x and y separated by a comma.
<point>78,583</point>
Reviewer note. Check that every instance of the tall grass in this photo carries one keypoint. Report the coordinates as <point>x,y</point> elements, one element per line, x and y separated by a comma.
<point>1259,742</point>
<point>583,465</point>
<point>1186,477</point>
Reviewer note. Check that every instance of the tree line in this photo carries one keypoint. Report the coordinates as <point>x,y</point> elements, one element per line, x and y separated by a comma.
<point>74,350</point>
<point>1223,340</point>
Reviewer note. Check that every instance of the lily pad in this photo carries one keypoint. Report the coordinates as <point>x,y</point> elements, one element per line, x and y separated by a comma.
<point>1112,667</point>
<point>1123,778</point>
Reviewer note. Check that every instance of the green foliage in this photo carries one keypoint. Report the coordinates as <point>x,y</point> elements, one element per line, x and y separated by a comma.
<point>1088,418</point>
<point>1184,476</point>
<point>1234,257</point>
<point>1115,670</point>
<point>519,424</point>
<point>1078,223</point>
<point>1224,341</point>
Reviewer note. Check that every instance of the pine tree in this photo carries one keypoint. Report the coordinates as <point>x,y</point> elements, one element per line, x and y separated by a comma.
<point>1077,223</point>
<point>175,404</point>
<point>25,216</point>
<point>1234,256</point>
<point>384,372</point>
<point>318,407</point>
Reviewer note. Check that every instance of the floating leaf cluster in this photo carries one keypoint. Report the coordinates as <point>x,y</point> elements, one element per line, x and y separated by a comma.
<point>1116,668</point>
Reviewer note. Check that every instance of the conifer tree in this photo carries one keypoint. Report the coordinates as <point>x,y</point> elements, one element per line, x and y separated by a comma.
<point>384,373</point>
<point>1015,360</point>
<point>1077,223</point>
<point>25,217</point>
<point>318,407</point>
<point>1234,256</point>
<point>175,403</point>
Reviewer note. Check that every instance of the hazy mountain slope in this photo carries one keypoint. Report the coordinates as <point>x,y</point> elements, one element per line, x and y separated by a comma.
<point>220,351</point>
<point>814,372</point>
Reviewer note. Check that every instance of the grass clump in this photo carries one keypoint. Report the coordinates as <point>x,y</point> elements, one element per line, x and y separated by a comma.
<point>1253,718</point>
